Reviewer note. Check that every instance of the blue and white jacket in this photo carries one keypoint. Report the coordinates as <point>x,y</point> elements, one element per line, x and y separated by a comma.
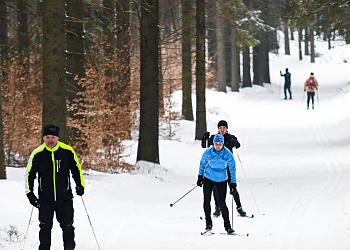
<point>214,165</point>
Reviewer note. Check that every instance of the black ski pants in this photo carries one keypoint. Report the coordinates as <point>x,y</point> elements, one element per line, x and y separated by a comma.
<point>310,95</point>
<point>287,87</point>
<point>235,197</point>
<point>64,214</point>
<point>221,187</point>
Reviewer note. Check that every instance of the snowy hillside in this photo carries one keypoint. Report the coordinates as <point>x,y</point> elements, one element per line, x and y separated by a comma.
<point>296,161</point>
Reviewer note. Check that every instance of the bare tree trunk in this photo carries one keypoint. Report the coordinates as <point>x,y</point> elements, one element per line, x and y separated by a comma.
<point>306,41</point>
<point>286,40</point>
<point>247,81</point>
<point>312,45</point>
<point>75,63</point>
<point>148,148</point>
<point>123,87</point>
<point>292,33</point>
<point>220,38</point>
<point>201,122</point>
<point>265,69</point>
<point>54,74</point>
<point>3,43</point>
<point>300,37</point>
<point>234,60</point>
<point>187,110</point>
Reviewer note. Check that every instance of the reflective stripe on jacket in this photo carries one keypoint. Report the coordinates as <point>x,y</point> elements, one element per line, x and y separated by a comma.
<point>53,167</point>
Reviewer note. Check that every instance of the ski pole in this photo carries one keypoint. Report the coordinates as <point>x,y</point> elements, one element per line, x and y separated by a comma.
<point>30,218</point>
<point>232,211</point>
<point>90,223</point>
<point>318,102</point>
<point>183,196</point>
<point>247,181</point>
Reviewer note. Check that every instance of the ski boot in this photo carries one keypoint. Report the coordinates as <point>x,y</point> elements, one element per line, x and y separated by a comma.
<point>228,228</point>
<point>209,225</point>
<point>217,212</point>
<point>241,211</point>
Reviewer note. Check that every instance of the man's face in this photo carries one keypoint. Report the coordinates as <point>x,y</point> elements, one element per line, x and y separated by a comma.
<point>218,146</point>
<point>222,130</point>
<point>51,140</point>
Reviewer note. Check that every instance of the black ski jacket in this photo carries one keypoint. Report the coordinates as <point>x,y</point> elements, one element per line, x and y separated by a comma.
<point>53,166</point>
<point>230,141</point>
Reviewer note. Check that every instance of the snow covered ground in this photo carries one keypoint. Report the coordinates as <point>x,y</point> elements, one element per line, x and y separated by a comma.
<point>296,161</point>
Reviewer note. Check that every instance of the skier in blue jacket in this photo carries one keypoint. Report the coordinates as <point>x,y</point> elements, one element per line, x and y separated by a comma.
<point>213,172</point>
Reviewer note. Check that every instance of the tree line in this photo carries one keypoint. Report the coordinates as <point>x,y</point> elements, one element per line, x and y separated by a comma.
<point>103,70</point>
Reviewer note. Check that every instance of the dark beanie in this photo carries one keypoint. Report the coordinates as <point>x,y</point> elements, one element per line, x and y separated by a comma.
<point>222,123</point>
<point>51,130</point>
<point>312,73</point>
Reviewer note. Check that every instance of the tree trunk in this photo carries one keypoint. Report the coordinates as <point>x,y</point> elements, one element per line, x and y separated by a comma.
<point>306,41</point>
<point>75,62</point>
<point>300,37</point>
<point>187,110</point>
<point>109,48</point>
<point>22,31</point>
<point>234,60</point>
<point>108,11</point>
<point>220,38</point>
<point>228,53</point>
<point>123,89</point>
<point>286,40</point>
<point>123,51</point>
<point>201,123</point>
<point>265,60</point>
<point>54,74</point>
<point>211,33</point>
<point>3,43</point>
<point>312,45</point>
<point>257,65</point>
<point>292,33</point>
<point>148,148</point>
<point>247,82</point>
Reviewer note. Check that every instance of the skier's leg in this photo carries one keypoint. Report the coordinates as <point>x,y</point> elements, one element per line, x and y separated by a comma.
<point>207,190</point>
<point>285,91</point>
<point>46,211</point>
<point>216,199</point>
<point>65,215</point>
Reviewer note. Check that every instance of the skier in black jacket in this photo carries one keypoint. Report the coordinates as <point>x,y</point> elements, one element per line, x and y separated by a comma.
<point>230,141</point>
<point>287,84</point>
<point>53,162</point>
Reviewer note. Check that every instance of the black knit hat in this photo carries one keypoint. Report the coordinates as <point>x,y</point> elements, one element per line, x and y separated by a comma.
<point>51,130</point>
<point>222,123</point>
<point>312,73</point>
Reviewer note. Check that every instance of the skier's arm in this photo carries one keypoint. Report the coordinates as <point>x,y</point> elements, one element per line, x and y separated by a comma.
<point>203,163</point>
<point>232,167</point>
<point>30,175</point>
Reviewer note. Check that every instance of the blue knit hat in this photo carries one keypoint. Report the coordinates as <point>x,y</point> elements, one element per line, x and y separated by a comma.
<point>219,138</point>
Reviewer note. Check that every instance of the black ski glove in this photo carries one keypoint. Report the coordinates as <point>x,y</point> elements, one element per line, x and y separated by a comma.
<point>80,190</point>
<point>233,188</point>
<point>206,135</point>
<point>210,141</point>
<point>234,142</point>
<point>200,180</point>
<point>33,200</point>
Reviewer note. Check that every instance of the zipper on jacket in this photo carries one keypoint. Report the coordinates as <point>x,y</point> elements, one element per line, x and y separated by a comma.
<point>54,173</point>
